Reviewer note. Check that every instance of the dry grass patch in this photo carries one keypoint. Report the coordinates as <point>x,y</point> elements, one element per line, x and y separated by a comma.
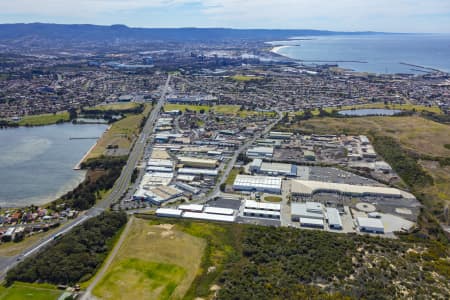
<point>415,133</point>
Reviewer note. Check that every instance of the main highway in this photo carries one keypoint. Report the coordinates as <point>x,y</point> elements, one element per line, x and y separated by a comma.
<point>120,187</point>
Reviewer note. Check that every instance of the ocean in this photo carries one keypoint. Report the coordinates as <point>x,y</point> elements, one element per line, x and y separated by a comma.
<point>379,53</point>
<point>36,163</point>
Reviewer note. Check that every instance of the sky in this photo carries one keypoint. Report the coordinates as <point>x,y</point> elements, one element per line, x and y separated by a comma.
<point>340,15</point>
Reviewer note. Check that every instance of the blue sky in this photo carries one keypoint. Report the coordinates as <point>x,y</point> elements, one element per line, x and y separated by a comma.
<point>345,15</point>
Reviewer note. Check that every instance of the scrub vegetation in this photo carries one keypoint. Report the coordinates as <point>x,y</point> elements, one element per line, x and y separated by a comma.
<point>75,256</point>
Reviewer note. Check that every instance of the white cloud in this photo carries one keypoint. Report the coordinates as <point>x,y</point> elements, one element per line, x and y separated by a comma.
<point>394,15</point>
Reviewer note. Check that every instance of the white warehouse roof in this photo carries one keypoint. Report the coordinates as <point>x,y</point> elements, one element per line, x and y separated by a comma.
<point>218,210</point>
<point>194,171</point>
<point>208,217</point>
<point>334,219</point>
<point>257,182</point>
<point>191,207</point>
<point>168,212</point>
<point>309,187</point>
<point>251,204</point>
<point>370,224</point>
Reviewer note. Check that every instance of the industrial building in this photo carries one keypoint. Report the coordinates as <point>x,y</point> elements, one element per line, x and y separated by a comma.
<point>310,187</point>
<point>257,183</point>
<point>261,152</point>
<point>194,171</point>
<point>198,162</point>
<point>187,187</point>
<point>370,225</point>
<point>251,204</point>
<point>261,213</point>
<point>273,169</point>
<point>333,217</point>
<point>218,211</point>
<point>312,223</point>
<point>280,135</point>
<point>161,194</point>
<point>308,210</point>
<point>169,212</point>
<point>191,207</point>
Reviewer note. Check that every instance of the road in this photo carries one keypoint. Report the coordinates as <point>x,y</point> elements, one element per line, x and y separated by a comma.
<point>105,266</point>
<point>119,189</point>
<point>216,191</point>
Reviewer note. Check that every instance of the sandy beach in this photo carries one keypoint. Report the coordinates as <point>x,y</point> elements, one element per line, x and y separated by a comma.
<point>277,49</point>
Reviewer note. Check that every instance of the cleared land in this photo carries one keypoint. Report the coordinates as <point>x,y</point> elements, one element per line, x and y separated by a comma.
<point>115,106</point>
<point>154,262</point>
<point>121,134</point>
<point>414,133</point>
<point>21,291</point>
<point>44,119</point>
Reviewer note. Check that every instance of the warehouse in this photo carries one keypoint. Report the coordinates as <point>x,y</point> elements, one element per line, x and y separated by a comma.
<point>370,225</point>
<point>309,210</point>
<point>187,187</point>
<point>161,194</point>
<point>280,135</point>
<point>258,184</point>
<point>194,171</point>
<point>158,169</point>
<point>312,223</point>
<point>208,217</point>
<point>310,187</point>
<point>251,204</point>
<point>334,219</point>
<point>167,163</point>
<point>273,169</point>
<point>259,213</point>
<point>191,207</point>
<point>168,212</point>
<point>218,211</point>
<point>198,162</point>
<point>260,152</point>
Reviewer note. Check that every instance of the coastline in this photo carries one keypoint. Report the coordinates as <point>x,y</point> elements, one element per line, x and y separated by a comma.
<point>277,49</point>
<point>78,165</point>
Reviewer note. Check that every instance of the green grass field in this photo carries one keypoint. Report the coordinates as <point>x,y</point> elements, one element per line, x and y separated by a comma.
<point>154,262</point>
<point>115,106</point>
<point>23,291</point>
<point>152,280</point>
<point>246,78</point>
<point>44,119</point>
<point>219,109</point>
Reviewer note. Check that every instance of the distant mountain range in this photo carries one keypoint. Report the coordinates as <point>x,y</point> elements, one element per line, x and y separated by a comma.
<point>72,33</point>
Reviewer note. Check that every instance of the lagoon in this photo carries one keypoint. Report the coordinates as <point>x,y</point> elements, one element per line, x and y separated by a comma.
<point>36,163</point>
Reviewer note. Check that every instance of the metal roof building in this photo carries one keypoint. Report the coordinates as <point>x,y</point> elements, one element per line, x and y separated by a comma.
<point>251,204</point>
<point>208,217</point>
<point>310,187</point>
<point>193,171</point>
<point>169,212</point>
<point>370,225</point>
<point>257,183</point>
<point>334,219</point>
<point>218,210</point>
<point>260,152</point>
<point>261,213</point>
<point>191,207</point>
<point>300,210</point>
<point>198,162</point>
<point>313,223</point>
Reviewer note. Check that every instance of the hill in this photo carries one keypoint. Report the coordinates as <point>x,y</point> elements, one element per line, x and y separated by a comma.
<point>86,32</point>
